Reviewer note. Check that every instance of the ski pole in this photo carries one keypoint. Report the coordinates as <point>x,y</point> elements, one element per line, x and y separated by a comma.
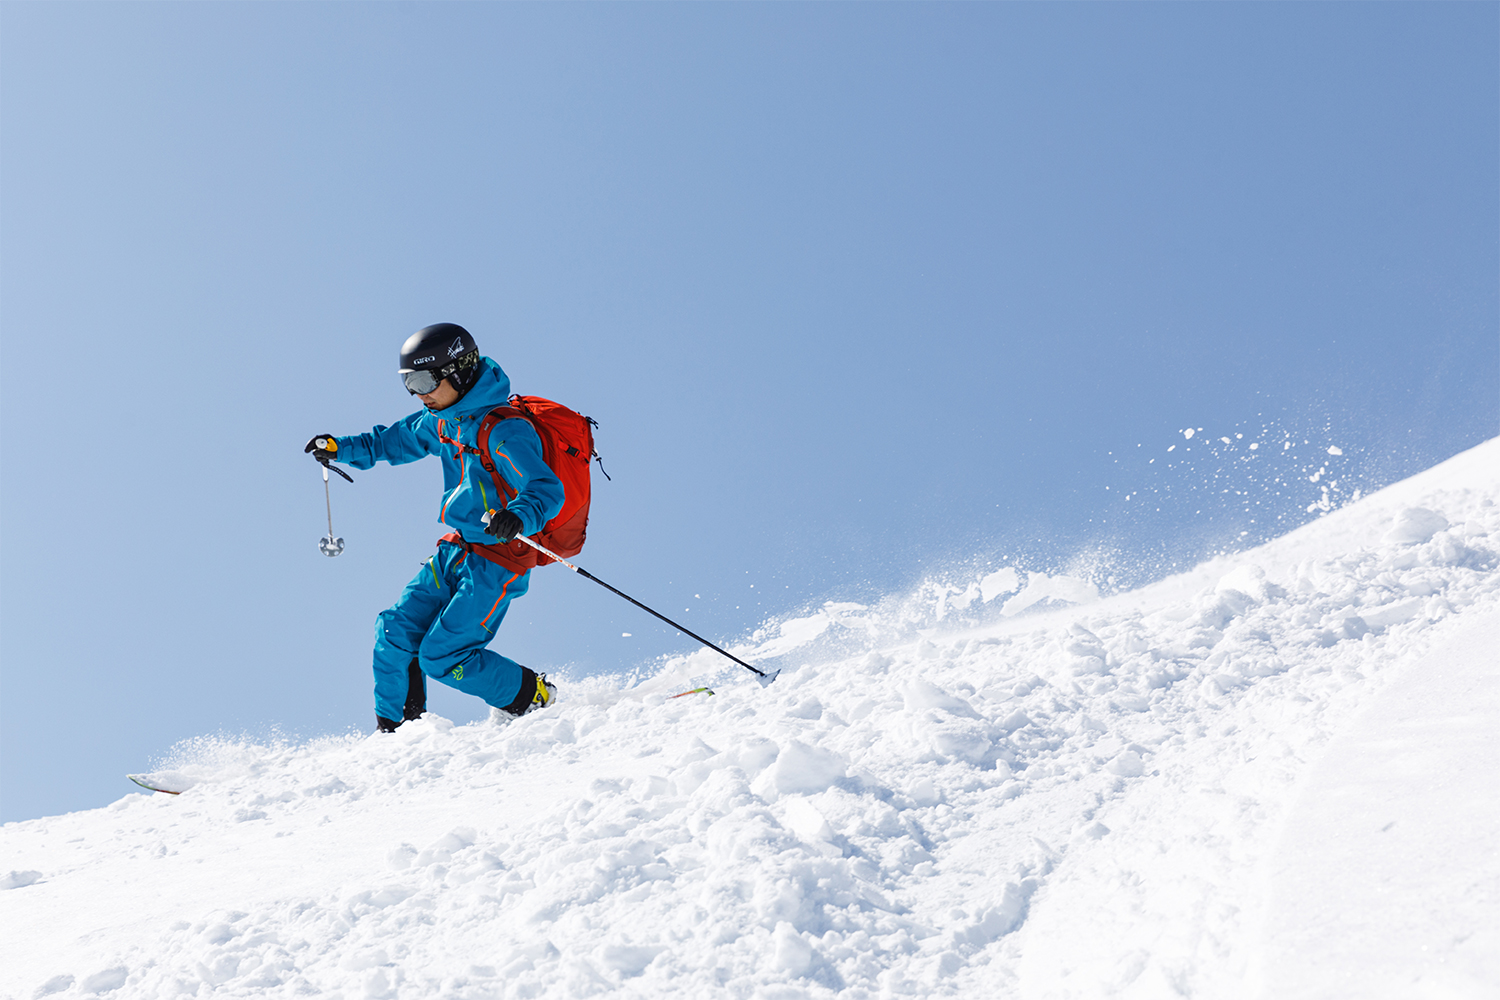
<point>330,545</point>
<point>761,675</point>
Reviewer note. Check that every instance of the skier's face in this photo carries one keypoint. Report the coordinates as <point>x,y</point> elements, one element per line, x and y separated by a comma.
<point>440,398</point>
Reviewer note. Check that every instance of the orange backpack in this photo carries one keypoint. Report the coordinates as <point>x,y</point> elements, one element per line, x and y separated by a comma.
<point>567,448</point>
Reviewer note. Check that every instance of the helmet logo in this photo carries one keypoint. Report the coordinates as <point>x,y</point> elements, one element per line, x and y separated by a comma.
<point>423,361</point>
<point>457,348</point>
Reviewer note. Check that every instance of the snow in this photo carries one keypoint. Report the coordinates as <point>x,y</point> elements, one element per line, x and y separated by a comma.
<point>1040,587</point>
<point>1415,524</point>
<point>1412,780</point>
<point>1002,581</point>
<point>1269,776</point>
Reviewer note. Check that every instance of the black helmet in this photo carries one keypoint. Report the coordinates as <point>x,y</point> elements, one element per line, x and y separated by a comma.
<point>437,352</point>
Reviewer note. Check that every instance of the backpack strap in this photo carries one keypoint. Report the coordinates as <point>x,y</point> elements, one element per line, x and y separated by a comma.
<point>505,490</point>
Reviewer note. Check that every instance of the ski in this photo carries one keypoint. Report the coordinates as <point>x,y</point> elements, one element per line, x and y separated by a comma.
<point>161,782</point>
<point>684,694</point>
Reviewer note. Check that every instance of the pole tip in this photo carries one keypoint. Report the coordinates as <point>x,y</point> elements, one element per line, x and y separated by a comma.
<point>766,679</point>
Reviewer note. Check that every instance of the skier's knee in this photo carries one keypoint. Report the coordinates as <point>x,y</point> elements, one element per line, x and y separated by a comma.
<point>389,629</point>
<point>439,666</point>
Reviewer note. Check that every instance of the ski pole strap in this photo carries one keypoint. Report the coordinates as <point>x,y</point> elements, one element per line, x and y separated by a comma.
<point>764,677</point>
<point>335,468</point>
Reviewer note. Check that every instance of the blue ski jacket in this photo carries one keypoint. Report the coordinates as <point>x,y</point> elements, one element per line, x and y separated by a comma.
<point>468,490</point>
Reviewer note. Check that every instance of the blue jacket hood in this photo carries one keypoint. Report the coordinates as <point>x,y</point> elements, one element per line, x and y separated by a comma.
<point>491,390</point>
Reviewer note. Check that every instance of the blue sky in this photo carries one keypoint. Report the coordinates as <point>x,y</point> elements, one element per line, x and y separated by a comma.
<point>859,294</point>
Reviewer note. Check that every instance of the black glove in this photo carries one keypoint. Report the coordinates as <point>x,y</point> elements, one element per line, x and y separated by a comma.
<point>323,447</point>
<point>502,524</point>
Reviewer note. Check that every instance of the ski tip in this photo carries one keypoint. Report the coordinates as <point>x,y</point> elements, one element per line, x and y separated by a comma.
<point>170,782</point>
<point>766,679</point>
<point>684,694</point>
<point>145,782</point>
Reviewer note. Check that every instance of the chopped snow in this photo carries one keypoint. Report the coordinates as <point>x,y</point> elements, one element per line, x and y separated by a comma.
<point>1040,587</point>
<point>1415,525</point>
<point>1002,581</point>
<point>1273,773</point>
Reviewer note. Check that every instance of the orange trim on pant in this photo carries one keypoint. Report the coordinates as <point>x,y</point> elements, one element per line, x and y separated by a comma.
<point>503,591</point>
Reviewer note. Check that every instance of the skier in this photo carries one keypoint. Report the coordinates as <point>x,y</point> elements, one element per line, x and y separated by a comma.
<point>448,613</point>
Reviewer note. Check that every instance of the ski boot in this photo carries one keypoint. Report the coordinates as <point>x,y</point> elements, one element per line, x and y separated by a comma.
<point>536,692</point>
<point>546,692</point>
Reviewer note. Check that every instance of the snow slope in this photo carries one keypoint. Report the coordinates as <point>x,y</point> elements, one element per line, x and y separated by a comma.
<point>1388,878</point>
<point>1267,776</point>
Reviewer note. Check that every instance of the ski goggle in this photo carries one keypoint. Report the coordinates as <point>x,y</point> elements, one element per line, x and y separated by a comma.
<point>420,383</point>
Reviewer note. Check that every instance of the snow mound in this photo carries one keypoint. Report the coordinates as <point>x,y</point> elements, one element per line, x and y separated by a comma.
<point>1082,801</point>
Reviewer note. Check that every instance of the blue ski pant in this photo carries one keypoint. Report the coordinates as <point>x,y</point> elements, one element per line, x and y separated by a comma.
<point>444,618</point>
